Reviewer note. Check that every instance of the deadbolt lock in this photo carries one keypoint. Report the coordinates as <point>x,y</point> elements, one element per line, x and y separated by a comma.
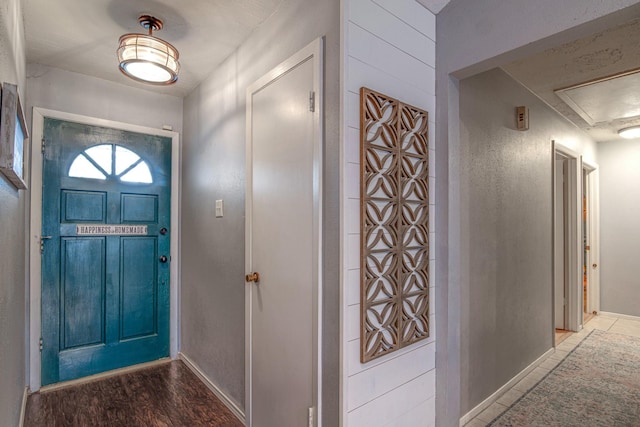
<point>253,277</point>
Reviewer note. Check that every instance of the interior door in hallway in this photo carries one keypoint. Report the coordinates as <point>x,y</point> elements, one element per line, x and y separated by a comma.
<point>283,217</point>
<point>105,249</point>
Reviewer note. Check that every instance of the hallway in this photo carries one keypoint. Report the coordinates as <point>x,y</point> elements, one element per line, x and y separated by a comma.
<point>605,322</point>
<point>166,395</point>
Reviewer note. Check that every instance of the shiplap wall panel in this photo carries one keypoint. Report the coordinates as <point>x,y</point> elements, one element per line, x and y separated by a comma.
<point>355,367</point>
<point>412,14</point>
<point>353,148</point>
<point>353,220</point>
<point>353,255</point>
<point>353,287</point>
<point>379,22</point>
<point>392,406</point>
<point>389,47</point>
<point>378,380</point>
<point>353,322</point>
<point>362,74</point>
<point>417,416</point>
<point>385,57</point>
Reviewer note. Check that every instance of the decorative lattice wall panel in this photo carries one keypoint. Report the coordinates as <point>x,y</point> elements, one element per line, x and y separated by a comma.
<point>394,200</point>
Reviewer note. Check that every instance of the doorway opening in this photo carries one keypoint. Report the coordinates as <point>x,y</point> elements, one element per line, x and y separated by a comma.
<point>568,241</point>
<point>590,233</point>
<point>575,232</point>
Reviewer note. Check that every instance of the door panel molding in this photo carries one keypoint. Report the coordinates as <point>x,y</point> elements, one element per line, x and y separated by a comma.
<point>35,228</point>
<point>312,52</point>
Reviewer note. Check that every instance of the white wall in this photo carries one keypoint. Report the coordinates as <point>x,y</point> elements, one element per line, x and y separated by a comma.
<point>389,46</point>
<point>12,235</point>
<point>619,227</point>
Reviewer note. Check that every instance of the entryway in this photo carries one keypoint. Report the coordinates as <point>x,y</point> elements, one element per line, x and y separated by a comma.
<point>104,251</point>
<point>575,213</point>
<point>166,394</point>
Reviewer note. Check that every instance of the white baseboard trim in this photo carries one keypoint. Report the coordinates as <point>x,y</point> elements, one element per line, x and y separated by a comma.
<point>228,402</point>
<point>621,316</point>
<point>495,396</point>
<point>23,409</point>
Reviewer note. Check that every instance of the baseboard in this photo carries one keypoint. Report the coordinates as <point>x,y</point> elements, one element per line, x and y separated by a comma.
<point>621,316</point>
<point>495,396</point>
<point>228,402</point>
<point>23,408</point>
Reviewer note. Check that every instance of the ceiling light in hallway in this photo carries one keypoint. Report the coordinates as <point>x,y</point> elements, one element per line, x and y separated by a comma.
<point>630,132</point>
<point>146,58</point>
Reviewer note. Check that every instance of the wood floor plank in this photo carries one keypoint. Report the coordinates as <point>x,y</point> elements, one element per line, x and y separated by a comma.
<point>168,395</point>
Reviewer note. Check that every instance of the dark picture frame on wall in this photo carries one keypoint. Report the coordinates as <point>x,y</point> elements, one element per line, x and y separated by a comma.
<point>13,136</point>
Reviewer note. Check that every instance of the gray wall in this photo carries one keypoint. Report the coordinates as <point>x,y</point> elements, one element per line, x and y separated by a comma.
<point>213,306</point>
<point>619,228</point>
<point>12,236</point>
<point>56,89</point>
<point>506,320</point>
<point>475,36</point>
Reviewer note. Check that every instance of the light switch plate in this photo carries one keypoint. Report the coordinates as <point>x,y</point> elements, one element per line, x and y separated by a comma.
<point>219,208</point>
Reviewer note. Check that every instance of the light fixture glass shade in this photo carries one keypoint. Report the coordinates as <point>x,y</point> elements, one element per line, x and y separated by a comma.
<point>630,132</point>
<point>148,59</point>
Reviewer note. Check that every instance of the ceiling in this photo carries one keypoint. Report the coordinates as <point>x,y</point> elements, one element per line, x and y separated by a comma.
<point>602,109</point>
<point>82,35</point>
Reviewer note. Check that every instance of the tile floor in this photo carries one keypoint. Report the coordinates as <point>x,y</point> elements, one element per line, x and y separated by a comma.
<point>604,322</point>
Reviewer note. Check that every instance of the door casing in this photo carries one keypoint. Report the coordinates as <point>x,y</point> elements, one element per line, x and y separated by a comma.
<point>313,51</point>
<point>575,310</point>
<point>35,229</point>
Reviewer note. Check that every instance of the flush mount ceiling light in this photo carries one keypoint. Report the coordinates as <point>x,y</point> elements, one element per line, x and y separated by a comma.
<point>146,58</point>
<point>630,132</point>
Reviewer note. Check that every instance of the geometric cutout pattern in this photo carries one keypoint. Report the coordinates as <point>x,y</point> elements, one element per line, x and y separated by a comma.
<point>394,202</point>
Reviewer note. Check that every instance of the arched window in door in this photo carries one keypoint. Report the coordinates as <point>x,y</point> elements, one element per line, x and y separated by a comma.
<point>111,161</point>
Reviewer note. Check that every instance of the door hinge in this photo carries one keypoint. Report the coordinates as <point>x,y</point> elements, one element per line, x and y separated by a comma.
<point>312,415</point>
<point>42,147</point>
<point>41,344</point>
<point>312,101</point>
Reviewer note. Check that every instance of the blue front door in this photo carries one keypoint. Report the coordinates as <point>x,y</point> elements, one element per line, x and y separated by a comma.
<point>105,249</point>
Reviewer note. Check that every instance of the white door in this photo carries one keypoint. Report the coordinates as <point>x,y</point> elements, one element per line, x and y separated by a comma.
<point>283,229</point>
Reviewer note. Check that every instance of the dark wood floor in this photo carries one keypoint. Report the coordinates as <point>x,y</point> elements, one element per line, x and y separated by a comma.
<point>165,395</point>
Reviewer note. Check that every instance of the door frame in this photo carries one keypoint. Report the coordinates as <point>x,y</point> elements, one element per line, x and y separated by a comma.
<point>593,235</point>
<point>573,228</point>
<point>35,261</point>
<point>313,51</point>
<point>564,201</point>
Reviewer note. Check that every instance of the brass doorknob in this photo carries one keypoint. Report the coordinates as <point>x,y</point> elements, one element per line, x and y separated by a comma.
<point>253,277</point>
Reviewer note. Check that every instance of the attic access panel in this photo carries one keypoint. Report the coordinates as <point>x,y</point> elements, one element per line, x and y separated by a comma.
<point>394,192</point>
<point>606,99</point>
